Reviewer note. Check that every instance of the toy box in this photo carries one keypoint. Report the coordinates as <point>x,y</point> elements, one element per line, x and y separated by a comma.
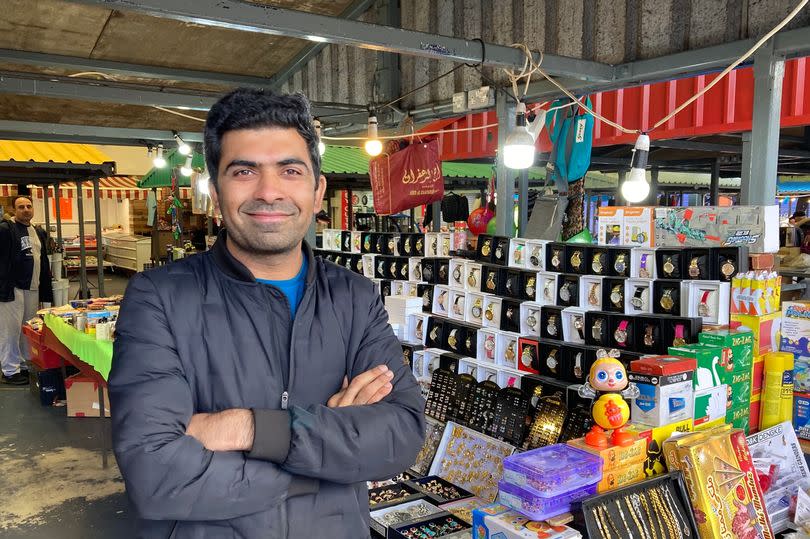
<point>713,365</point>
<point>616,456</point>
<point>611,225</point>
<point>656,436</point>
<point>499,521</point>
<point>710,405</point>
<point>553,469</point>
<point>796,328</point>
<point>801,375</point>
<point>621,477</point>
<point>536,507</point>
<point>638,227</point>
<point>756,227</point>
<point>766,330</point>
<point>801,415</point>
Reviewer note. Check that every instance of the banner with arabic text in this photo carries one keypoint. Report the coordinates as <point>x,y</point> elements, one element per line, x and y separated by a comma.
<point>407,178</point>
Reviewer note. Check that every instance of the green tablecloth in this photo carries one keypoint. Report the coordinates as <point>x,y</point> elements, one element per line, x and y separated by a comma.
<point>97,354</point>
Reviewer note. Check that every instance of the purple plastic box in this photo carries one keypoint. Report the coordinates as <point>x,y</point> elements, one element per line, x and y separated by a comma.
<point>536,507</point>
<point>552,470</point>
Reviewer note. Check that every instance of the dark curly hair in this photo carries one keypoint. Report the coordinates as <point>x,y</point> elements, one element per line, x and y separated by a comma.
<point>250,108</point>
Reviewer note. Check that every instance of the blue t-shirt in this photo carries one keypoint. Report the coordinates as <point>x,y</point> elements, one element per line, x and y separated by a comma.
<point>292,288</point>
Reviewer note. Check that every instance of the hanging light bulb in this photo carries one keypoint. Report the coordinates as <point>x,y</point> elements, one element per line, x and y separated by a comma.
<point>321,145</point>
<point>186,169</point>
<point>204,183</point>
<point>182,147</point>
<point>159,161</point>
<point>518,152</point>
<point>373,146</point>
<point>636,188</point>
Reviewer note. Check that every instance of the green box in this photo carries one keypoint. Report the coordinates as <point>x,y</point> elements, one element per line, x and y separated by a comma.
<point>739,390</point>
<point>713,367</point>
<point>741,343</point>
<point>740,418</point>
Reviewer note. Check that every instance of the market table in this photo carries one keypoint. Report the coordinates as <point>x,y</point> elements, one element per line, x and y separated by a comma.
<point>92,357</point>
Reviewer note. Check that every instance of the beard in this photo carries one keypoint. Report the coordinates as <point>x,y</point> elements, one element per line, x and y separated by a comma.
<point>264,239</point>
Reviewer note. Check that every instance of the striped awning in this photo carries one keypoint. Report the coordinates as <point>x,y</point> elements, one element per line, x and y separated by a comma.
<point>117,187</point>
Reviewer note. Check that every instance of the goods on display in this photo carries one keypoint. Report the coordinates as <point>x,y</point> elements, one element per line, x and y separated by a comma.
<point>615,382</point>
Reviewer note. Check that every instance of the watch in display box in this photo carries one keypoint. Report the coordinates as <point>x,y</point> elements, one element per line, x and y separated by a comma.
<point>471,276</point>
<point>680,331</point>
<point>458,300</point>
<point>510,315</point>
<point>699,264</point>
<point>649,333</point>
<point>730,261</point>
<point>370,266</point>
<point>528,286</point>
<point>457,273</point>
<point>669,263</point>
<point>551,322</point>
<point>417,327</point>
<point>568,290</point>
<point>576,256</point>
<point>555,257</point>
<point>501,254</point>
<point>575,363</point>
<point>613,294</point>
<point>509,378</point>
<point>513,285</point>
<point>403,269</point>
<point>546,293</point>
<point>408,353</point>
<point>368,243</point>
<point>507,350</point>
<point>441,300</point>
<point>450,362</point>
<point>492,280</point>
<point>386,288</point>
<point>668,297</point>
<point>590,292</point>
<point>619,262</point>
<point>573,325</point>
<point>346,241</point>
<point>638,296</point>
<point>469,345</point>
<point>456,335</point>
<point>551,359</point>
<point>432,244</point>
<point>487,345</point>
<point>492,311</point>
<point>425,291</point>
<point>517,253</point>
<point>486,248</point>
<point>530,318</point>
<point>535,255</point>
<point>436,333</point>
<point>529,355</point>
<point>474,309</point>
<point>599,261</point>
<point>597,325</point>
<point>643,264</point>
<point>357,264</point>
<point>710,301</point>
<point>622,332</point>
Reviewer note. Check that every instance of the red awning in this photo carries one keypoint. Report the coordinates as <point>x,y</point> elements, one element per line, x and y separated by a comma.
<point>119,187</point>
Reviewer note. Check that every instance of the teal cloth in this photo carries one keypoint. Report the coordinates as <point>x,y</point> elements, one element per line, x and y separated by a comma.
<point>292,288</point>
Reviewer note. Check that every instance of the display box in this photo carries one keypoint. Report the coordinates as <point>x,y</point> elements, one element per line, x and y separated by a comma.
<point>425,291</point>
<point>610,223</point>
<point>619,259</point>
<point>437,330</point>
<point>663,399</point>
<point>535,256</point>
<point>402,514</point>
<point>444,243</point>
<point>679,331</point>
<point>407,244</point>
<point>801,415</point>
<point>575,363</point>
<point>551,359</point>
<point>463,509</point>
<point>509,378</point>
<point>458,275</point>
<point>517,253</point>
<point>709,300</point>
<point>492,311</point>
<point>510,315</point>
<point>441,300</point>
<point>528,286</point>
<point>576,256</point>
<point>621,477</point>
<point>471,274</point>
<point>638,296</point>
<point>766,330</point>
<point>740,341</point>
<point>649,332</point>
<point>670,263</point>
<point>756,293</point>
<point>82,397</point>
<point>456,335</point>
<point>555,257</point>
<point>498,521</point>
<point>485,248</point>
<point>730,261</point>
<point>458,300</point>
<point>699,264</point>
<point>474,309</point>
<point>356,262</point>
<point>528,503</point>
<point>615,457</point>
<point>567,290</point>
<point>739,389</point>
<point>573,325</point>
<point>438,490</point>
<point>622,332</point>
<point>590,292</point>
<point>597,327</point>
<point>432,248</point>
<point>599,261</point>
<point>369,266</point>
<point>506,349</point>
<point>416,327</point>
<point>493,280</point>
<point>613,298</point>
<point>501,254</point>
<point>546,293</point>
<point>710,405</point>
<point>670,297</point>
<point>346,241</point>
<point>529,350</point>
<point>796,328</point>
<point>551,322</point>
<point>638,229</point>
<point>530,318</point>
<point>656,436</point>
<point>399,307</point>
<point>713,363</point>
<point>513,283</point>
<point>740,417</point>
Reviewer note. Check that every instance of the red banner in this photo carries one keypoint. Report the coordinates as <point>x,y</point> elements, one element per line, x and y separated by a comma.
<point>407,178</point>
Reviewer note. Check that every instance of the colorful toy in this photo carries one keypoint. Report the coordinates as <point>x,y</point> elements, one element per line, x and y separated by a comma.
<point>607,384</point>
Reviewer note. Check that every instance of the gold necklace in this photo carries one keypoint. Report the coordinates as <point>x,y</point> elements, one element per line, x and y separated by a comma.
<point>658,521</point>
<point>603,516</point>
<point>672,526</point>
<point>624,520</point>
<point>633,515</point>
<point>599,524</point>
<point>642,503</point>
<point>676,514</point>
<point>610,521</point>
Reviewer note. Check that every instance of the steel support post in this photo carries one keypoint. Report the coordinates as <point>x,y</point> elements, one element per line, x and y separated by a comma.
<point>99,239</point>
<point>714,187</point>
<point>504,177</point>
<point>84,293</point>
<point>759,188</point>
<point>523,202</point>
<point>57,201</point>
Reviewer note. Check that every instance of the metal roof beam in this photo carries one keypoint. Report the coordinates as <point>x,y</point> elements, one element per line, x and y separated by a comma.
<point>721,148</point>
<point>277,21</point>
<point>52,132</point>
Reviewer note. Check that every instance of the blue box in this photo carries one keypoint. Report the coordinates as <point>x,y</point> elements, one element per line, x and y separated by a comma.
<point>801,415</point>
<point>497,521</point>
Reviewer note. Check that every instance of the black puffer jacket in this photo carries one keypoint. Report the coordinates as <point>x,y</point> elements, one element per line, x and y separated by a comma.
<point>201,335</point>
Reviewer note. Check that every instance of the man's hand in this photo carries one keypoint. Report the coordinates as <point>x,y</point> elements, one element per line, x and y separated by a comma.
<point>370,387</point>
<point>229,430</point>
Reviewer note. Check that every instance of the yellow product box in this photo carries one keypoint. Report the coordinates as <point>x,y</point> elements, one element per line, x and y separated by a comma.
<point>719,422</point>
<point>639,228</point>
<point>615,457</point>
<point>621,477</point>
<point>656,436</point>
<point>766,329</point>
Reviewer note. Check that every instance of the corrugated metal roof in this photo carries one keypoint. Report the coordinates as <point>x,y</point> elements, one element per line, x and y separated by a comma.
<point>51,152</point>
<point>689,179</point>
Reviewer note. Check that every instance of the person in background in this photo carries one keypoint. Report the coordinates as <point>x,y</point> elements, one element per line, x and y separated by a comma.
<point>800,222</point>
<point>25,282</point>
<point>255,388</point>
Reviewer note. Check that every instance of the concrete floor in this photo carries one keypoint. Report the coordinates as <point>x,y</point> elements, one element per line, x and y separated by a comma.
<point>52,483</point>
<point>114,283</point>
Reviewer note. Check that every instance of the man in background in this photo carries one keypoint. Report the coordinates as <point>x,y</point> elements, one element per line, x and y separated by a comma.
<point>25,281</point>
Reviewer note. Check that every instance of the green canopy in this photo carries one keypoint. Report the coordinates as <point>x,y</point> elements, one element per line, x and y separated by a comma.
<point>162,177</point>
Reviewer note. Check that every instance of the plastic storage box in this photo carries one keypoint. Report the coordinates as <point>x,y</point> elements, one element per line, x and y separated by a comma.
<point>536,507</point>
<point>553,469</point>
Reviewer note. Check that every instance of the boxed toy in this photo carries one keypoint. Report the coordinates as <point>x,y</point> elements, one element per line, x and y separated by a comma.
<point>710,405</point>
<point>638,227</point>
<point>796,328</point>
<point>801,415</point>
<point>756,227</point>
<point>611,225</point>
<point>498,521</point>
<point>766,330</point>
<point>656,436</point>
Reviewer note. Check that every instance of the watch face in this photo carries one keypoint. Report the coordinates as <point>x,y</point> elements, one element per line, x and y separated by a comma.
<point>471,280</point>
<point>407,246</point>
<point>531,321</point>
<point>565,292</point>
<point>434,246</point>
<point>621,336</point>
<point>727,269</point>
<point>551,328</point>
<point>393,269</point>
<point>596,263</point>
<point>534,259</point>
<point>391,245</point>
<point>510,351</point>
<point>636,302</point>
<point>417,272</point>
<point>530,287</point>
<point>426,298</point>
<point>669,267</point>
<point>360,265</point>
<point>694,269</point>
<point>486,248</point>
<point>476,311</point>
<point>386,291</point>
<point>499,252</point>
<point>555,260</point>
<point>490,312</point>
<point>649,340</point>
<point>703,310</point>
<point>451,340</point>
<point>576,260</point>
<point>419,332</point>
<point>443,272</point>
<point>527,356</point>
<point>551,362</point>
<point>596,331</point>
<point>616,298</point>
<point>445,246</point>
<point>644,273</point>
<point>404,271</point>
<point>491,282</point>
<point>667,302</point>
<point>419,245</point>
<point>510,312</point>
<point>620,266</point>
<point>457,274</point>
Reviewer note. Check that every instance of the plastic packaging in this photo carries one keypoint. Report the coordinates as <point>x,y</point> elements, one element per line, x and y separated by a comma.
<point>528,503</point>
<point>553,469</point>
<point>777,389</point>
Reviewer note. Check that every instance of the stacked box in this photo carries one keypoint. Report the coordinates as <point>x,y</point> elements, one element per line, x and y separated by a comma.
<point>666,392</point>
<point>656,436</point>
<point>498,521</point>
<point>765,329</point>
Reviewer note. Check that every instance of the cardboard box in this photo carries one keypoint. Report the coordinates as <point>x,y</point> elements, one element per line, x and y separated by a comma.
<point>82,397</point>
<point>762,261</point>
<point>739,390</point>
<point>498,521</point>
<point>801,375</point>
<point>766,330</point>
<point>796,328</point>
<point>654,464</point>
<point>663,399</point>
<point>611,225</point>
<point>740,418</point>
<point>621,477</point>
<point>639,230</point>
<point>617,456</point>
<point>740,341</point>
<point>757,375</point>
<point>801,415</point>
<point>713,364</point>
<point>710,405</point>
<point>755,293</point>
<point>756,411</point>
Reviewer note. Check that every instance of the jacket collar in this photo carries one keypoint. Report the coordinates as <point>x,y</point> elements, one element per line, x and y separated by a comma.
<point>229,265</point>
